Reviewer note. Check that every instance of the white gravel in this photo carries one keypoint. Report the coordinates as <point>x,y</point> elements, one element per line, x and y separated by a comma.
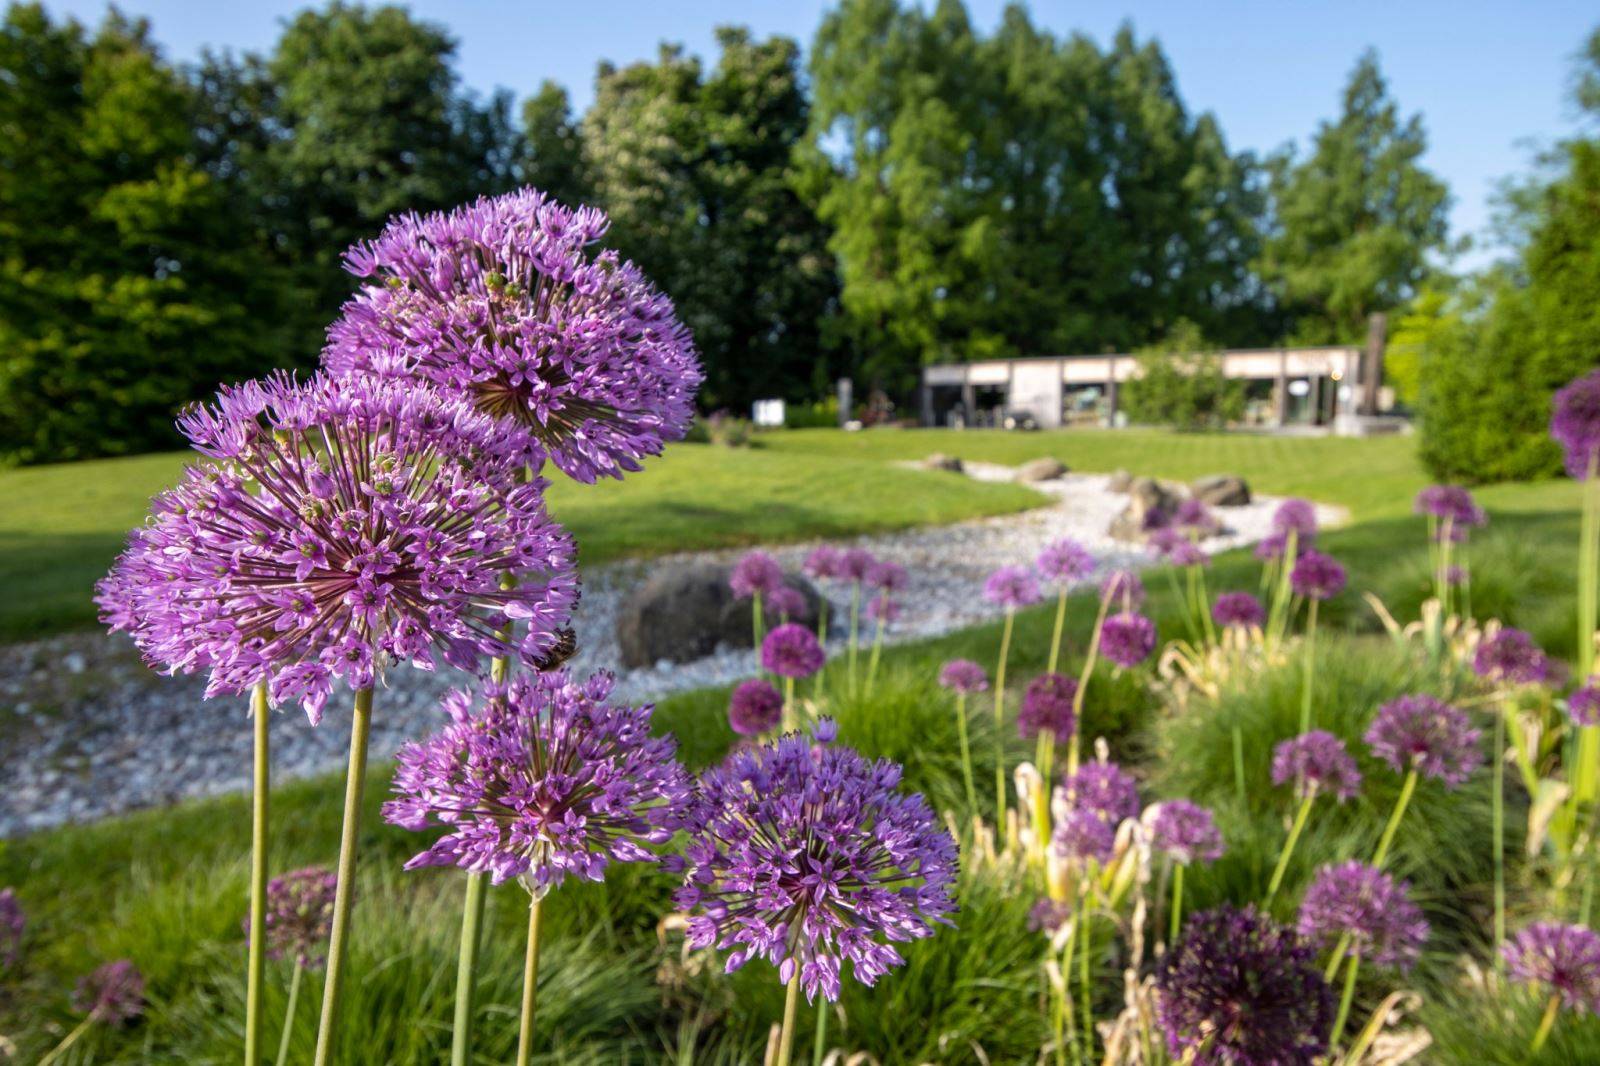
<point>87,731</point>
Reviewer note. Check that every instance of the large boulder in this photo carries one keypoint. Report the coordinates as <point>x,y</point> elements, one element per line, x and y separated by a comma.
<point>684,610</point>
<point>1221,490</point>
<point>1121,481</point>
<point>941,461</point>
<point>1150,505</point>
<point>1045,469</point>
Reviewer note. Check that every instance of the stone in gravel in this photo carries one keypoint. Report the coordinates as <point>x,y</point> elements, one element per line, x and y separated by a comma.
<point>1121,481</point>
<point>75,663</point>
<point>685,610</point>
<point>941,461</point>
<point>1221,490</point>
<point>1045,469</point>
<point>1150,504</point>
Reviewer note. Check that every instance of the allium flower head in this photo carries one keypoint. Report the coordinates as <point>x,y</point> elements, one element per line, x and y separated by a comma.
<point>823,563</point>
<point>1049,915</point>
<point>1564,959</point>
<point>1082,835</point>
<point>1295,516</point>
<point>1273,546</point>
<point>1511,657</point>
<point>886,576</point>
<point>755,572</point>
<point>1047,706</point>
<point>1193,515</point>
<point>1065,561</point>
<point>13,923</point>
<point>344,524</point>
<point>1238,610</point>
<point>783,603</point>
<point>791,651</point>
<point>1012,587</point>
<point>1451,503</point>
<point>1369,906</point>
<point>804,854</point>
<point>1105,790</point>
<point>1127,639</point>
<point>1317,576</point>
<point>1428,735</point>
<point>1174,546</point>
<point>882,609</point>
<point>1584,704</point>
<point>503,302</point>
<point>1575,422</point>
<point>112,994</point>
<point>1241,990</point>
<point>754,708</point>
<point>547,780</point>
<point>856,563</point>
<point>299,915</point>
<point>1123,589</point>
<point>1316,760</point>
<point>1186,831</point>
<point>964,676</point>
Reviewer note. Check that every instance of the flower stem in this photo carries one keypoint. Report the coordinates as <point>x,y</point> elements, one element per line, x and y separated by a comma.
<point>1175,919</point>
<point>855,628</point>
<point>255,974</point>
<point>1238,763</point>
<point>1309,674</point>
<point>1202,602</point>
<point>791,1004</point>
<point>1497,801</point>
<point>999,720</point>
<point>1085,985</point>
<point>820,1046</point>
<point>288,1013</point>
<point>789,715</point>
<point>1546,1023</point>
<point>530,985</point>
<point>1295,830</point>
<point>1586,772</point>
<point>467,967</point>
<point>877,651</point>
<point>1345,999</point>
<point>1389,830</point>
<point>70,1039</point>
<point>354,784</point>
<point>1055,636</point>
<point>755,622</point>
<point>1083,681</point>
<point>966,752</point>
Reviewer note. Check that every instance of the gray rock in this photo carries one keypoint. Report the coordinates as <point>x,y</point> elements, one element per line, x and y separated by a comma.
<point>1150,504</point>
<point>1222,490</point>
<point>1120,481</point>
<point>684,611</point>
<point>941,461</point>
<point>1045,469</point>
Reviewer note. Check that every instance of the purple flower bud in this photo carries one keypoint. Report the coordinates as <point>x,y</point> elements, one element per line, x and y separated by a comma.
<point>1316,761</point>
<point>1452,504</point>
<point>755,572</point>
<point>1105,790</point>
<point>1238,610</point>
<point>1575,422</point>
<point>1123,589</point>
<point>1127,639</point>
<point>823,563</point>
<point>13,923</point>
<point>1367,905</point>
<point>754,708</point>
<point>1065,561</point>
<point>1428,735</point>
<point>1295,516</point>
<point>856,563</point>
<point>1317,576</point>
<point>964,676</point>
<point>1012,587</point>
<point>1083,835</point>
<point>1584,705</point>
<point>1174,546</point>
<point>1186,831</point>
<point>112,994</point>
<point>791,651</point>
<point>1511,657</point>
<point>1047,706</point>
<point>784,603</point>
<point>886,576</point>
<point>1563,959</point>
<point>299,915</point>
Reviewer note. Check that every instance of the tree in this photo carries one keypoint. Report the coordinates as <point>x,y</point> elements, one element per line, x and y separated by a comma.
<point>550,152</point>
<point>1357,219</point>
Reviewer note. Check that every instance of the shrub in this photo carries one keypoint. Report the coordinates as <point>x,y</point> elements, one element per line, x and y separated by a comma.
<point>1181,385</point>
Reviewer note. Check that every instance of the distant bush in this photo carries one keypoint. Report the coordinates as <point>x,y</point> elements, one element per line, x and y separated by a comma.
<point>719,427</point>
<point>1181,385</point>
<point>822,414</point>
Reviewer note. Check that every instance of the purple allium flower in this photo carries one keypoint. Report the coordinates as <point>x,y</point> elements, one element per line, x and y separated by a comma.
<point>112,994</point>
<point>1455,576</point>
<point>755,572</point>
<point>754,708</point>
<point>1451,503</point>
<point>347,523</point>
<point>1123,588</point>
<point>1127,639</point>
<point>823,563</point>
<point>791,651</point>
<point>1296,516</point>
<point>1186,831</point>
<point>1105,790</point>
<point>1584,704</point>
<point>1174,546</point>
<point>548,780</point>
<point>1428,735</point>
<point>502,302</point>
<point>1565,959</point>
<point>1082,835</point>
<point>1317,576</point>
<point>1316,760</point>
<point>784,602</point>
<point>1511,657</point>
<point>1364,903</point>
<point>886,576</point>
<point>1241,990</point>
<point>13,923</point>
<point>1065,561</point>
<point>806,855</point>
<point>1575,422</point>
<point>299,915</point>
<point>1274,545</point>
<point>856,563</point>
<point>1012,587</point>
<point>1238,609</point>
<point>882,609</point>
<point>1049,915</point>
<point>1195,516</point>
<point>964,676</point>
<point>1047,705</point>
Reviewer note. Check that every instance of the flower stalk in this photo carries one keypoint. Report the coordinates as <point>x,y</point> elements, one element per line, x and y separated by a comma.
<point>257,965</point>
<point>530,983</point>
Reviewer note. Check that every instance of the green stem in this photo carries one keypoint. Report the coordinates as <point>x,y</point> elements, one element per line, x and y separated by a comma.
<point>822,639</point>
<point>855,624</point>
<point>1278,614</point>
<point>877,652</point>
<point>791,1004</point>
<point>288,1013</point>
<point>1188,611</point>
<point>467,967</point>
<point>1202,603</point>
<point>1295,830</point>
<point>1083,681</point>
<point>1310,668</point>
<point>966,752</point>
<point>1175,919</point>
<point>999,720</point>
<point>1546,1023</point>
<point>790,718</point>
<point>1332,969</point>
<point>1497,800</point>
<point>1085,985</point>
<point>354,784</point>
<point>755,622</point>
<point>1586,773</point>
<point>1345,1000</point>
<point>1238,763</point>
<point>1393,827</point>
<point>530,984</point>
<point>256,972</point>
<point>820,1046</point>
<point>71,1038</point>
<point>1055,635</point>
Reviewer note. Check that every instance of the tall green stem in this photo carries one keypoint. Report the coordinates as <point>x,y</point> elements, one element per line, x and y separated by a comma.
<point>1085,982</point>
<point>855,628</point>
<point>791,1006</point>
<point>1393,827</point>
<point>755,622</point>
<point>71,1038</point>
<point>877,649</point>
<point>1309,675</point>
<point>354,784</point>
<point>1083,681</point>
<point>1055,634</point>
<point>966,753</point>
<point>820,1046</point>
<point>999,719</point>
<point>1345,1000</point>
<point>288,1013</point>
<point>1175,919</point>
<point>1295,830</point>
<point>790,717</point>
<point>1202,601</point>
<point>1546,1023</point>
<point>467,967</point>
<point>1497,793</point>
<point>1586,774</point>
<point>255,975</point>
<point>530,984</point>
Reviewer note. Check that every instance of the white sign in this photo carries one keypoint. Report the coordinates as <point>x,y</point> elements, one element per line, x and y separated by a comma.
<point>768,414</point>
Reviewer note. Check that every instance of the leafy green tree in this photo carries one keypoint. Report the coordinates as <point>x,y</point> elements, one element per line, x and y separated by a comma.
<point>1181,384</point>
<point>549,154</point>
<point>1356,220</point>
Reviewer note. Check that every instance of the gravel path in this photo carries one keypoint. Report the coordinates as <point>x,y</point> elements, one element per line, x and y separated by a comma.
<point>87,731</point>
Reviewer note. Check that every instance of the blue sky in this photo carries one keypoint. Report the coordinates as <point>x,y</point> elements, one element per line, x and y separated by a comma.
<point>1489,79</point>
